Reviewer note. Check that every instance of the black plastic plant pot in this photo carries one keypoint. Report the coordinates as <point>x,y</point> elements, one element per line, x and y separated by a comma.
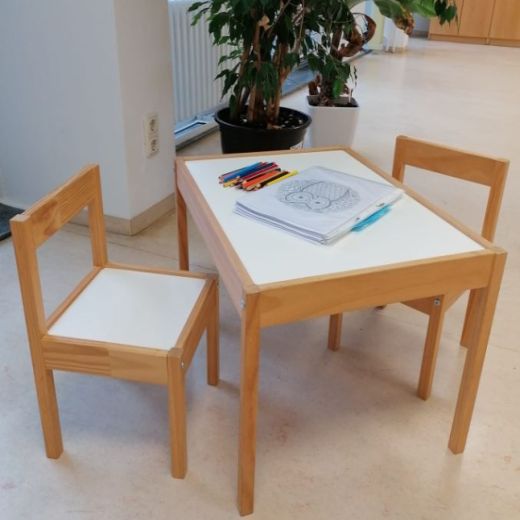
<point>237,138</point>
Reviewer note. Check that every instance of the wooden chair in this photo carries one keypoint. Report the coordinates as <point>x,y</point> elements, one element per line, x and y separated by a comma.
<point>488,171</point>
<point>121,321</point>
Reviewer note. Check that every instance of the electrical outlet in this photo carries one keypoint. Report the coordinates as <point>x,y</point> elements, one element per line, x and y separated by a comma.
<point>154,146</point>
<point>151,134</point>
<point>152,124</point>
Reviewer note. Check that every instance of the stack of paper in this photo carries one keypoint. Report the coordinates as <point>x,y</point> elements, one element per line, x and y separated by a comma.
<point>318,204</point>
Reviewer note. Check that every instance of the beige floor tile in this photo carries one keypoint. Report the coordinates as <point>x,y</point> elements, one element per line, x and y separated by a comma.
<point>341,435</point>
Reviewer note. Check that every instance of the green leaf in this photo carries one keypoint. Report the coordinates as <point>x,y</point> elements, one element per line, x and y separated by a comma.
<point>451,13</point>
<point>222,73</point>
<point>195,6</point>
<point>390,8</point>
<point>337,87</point>
<point>315,64</point>
<point>199,15</point>
<point>230,80</point>
<point>216,24</point>
<point>222,40</point>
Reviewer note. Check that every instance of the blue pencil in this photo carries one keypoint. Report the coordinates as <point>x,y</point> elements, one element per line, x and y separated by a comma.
<point>371,219</point>
<point>241,171</point>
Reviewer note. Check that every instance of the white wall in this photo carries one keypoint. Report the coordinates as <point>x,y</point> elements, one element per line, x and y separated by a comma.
<point>60,106</point>
<point>376,43</point>
<point>76,78</point>
<point>145,67</point>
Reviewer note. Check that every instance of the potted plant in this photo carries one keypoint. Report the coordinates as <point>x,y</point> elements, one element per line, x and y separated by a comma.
<point>268,39</point>
<point>342,34</point>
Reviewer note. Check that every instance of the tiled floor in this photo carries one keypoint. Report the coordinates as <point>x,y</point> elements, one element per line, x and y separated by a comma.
<point>341,435</point>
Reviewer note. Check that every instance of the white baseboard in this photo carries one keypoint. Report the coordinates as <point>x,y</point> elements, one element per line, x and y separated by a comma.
<point>11,203</point>
<point>136,224</point>
<point>120,225</point>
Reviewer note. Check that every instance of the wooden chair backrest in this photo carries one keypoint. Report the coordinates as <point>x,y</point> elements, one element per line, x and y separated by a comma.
<point>37,224</point>
<point>489,171</point>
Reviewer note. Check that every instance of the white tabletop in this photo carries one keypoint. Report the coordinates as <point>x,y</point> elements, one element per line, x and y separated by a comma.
<point>408,232</point>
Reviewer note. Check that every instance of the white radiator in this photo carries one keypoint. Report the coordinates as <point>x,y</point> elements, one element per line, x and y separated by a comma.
<point>195,64</point>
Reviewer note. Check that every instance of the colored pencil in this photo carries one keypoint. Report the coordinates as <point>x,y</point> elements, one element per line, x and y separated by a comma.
<point>258,182</point>
<point>282,177</point>
<point>241,171</point>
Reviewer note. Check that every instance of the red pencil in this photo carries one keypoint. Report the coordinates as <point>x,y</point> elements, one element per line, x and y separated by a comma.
<point>258,182</point>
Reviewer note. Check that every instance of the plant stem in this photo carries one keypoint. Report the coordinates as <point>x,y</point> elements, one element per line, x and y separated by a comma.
<point>255,105</point>
<point>241,93</point>
<point>283,7</point>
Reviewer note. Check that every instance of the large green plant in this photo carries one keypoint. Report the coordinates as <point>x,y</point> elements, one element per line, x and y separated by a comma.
<point>269,37</point>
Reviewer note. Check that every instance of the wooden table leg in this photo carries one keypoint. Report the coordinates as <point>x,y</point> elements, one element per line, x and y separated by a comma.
<point>212,339</point>
<point>468,328</point>
<point>177,417</point>
<point>335,323</point>
<point>182,230</point>
<point>250,359</point>
<point>431,348</point>
<point>484,307</point>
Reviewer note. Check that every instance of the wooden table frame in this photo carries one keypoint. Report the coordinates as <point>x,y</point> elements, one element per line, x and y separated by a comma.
<point>275,303</point>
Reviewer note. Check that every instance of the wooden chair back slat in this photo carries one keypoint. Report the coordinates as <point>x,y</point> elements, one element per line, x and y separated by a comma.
<point>34,226</point>
<point>480,169</point>
<point>30,285</point>
<point>52,212</point>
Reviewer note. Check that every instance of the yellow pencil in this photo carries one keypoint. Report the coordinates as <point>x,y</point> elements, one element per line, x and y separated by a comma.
<point>289,174</point>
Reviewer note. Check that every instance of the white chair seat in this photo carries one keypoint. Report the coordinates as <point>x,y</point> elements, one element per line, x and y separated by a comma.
<point>131,308</point>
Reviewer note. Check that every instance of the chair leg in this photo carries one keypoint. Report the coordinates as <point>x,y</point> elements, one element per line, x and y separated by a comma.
<point>431,348</point>
<point>468,328</point>
<point>49,414</point>
<point>177,413</point>
<point>335,322</point>
<point>212,339</point>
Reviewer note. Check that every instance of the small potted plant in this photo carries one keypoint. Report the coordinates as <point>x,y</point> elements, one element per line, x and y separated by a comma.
<point>268,39</point>
<point>342,34</point>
